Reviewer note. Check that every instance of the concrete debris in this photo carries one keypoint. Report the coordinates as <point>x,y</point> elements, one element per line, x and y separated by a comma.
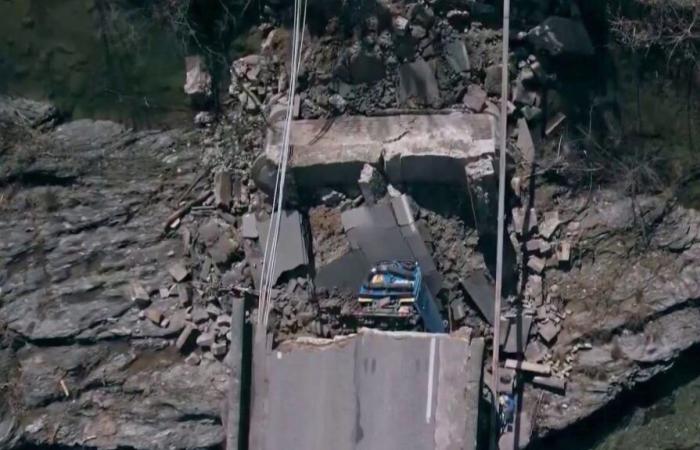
<point>519,217</point>
<point>564,252</point>
<point>218,349</point>
<point>554,384</point>
<point>200,316</point>
<point>517,334</point>
<point>415,147</point>
<point>164,292</point>
<point>376,235</point>
<point>193,359</point>
<point>372,184</point>
<point>458,312</point>
<point>527,366</point>
<point>223,320</point>
<point>155,315</point>
<point>213,311</point>
<point>222,189</point>
<point>456,54</point>
<point>292,250</point>
<point>402,210</point>
<point>331,197</point>
<point>535,351</point>
<point>204,118</point>
<point>560,36</point>
<point>550,224</point>
<point>481,291</point>
<point>548,331</point>
<point>139,295</point>
<point>178,271</point>
<point>417,83</point>
<point>475,98</point>
<point>184,337</point>
<point>198,82</point>
<point>400,25</point>
<point>338,103</point>
<point>249,228</point>
<point>525,143</point>
<point>205,340</point>
<point>506,380</point>
<point>223,250</point>
<point>537,264</point>
<point>492,83</point>
<point>184,295</point>
<point>418,32</point>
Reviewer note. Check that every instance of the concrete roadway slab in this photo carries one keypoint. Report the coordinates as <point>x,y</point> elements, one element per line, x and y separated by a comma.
<point>373,390</point>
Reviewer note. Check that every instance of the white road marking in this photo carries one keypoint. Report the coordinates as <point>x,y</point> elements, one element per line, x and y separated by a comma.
<point>431,373</point>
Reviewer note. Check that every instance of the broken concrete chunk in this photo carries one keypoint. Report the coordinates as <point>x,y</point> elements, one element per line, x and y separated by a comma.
<point>417,82</point>
<point>535,351</point>
<point>457,56</point>
<point>550,224</point>
<point>205,340</point>
<point>193,359</point>
<point>492,83</point>
<point>184,295</point>
<point>548,331</point>
<point>164,292</point>
<point>223,320</point>
<point>554,384</point>
<point>518,334</point>
<point>506,380</point>
<point>184,336</point>
<point>525,142</point>
<point>482,294</point>
<point>560,36</point>
<point>138,294</point>
<point>475,98</point>
<point>218,349</point>
<point>458,312</point>
<point>403,210</point>
<point>213,311</point>
<point>528,366</point>
<point>222,189</point>
<point>178,271</point>
<point>331,197</point>
<point>250,226</point>
<point>223,250</point>
<point>519,218</point>
<point>292,251</point>
<point>372,184</point>
<point>537,264</point>
<point>564,252</point>
<point>199,315</point>
<point>154,315</point>
<point>198,82</point>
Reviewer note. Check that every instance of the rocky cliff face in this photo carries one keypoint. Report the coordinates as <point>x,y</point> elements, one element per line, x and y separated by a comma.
<point>83,208</point>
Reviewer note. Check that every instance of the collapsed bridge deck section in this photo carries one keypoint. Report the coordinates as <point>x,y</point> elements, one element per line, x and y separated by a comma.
<point>435,148</point>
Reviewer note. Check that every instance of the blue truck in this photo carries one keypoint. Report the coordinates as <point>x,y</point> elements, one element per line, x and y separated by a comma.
<point>394,296</point>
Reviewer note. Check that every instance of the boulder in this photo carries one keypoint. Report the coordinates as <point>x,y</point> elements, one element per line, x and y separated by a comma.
<point>561,36</point>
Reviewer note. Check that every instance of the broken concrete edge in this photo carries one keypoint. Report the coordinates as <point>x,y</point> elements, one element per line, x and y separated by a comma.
<point>326,157</point>
<point>321,343</point>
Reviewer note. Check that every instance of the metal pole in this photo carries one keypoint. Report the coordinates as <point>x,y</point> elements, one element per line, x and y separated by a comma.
<point>501,210</point>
